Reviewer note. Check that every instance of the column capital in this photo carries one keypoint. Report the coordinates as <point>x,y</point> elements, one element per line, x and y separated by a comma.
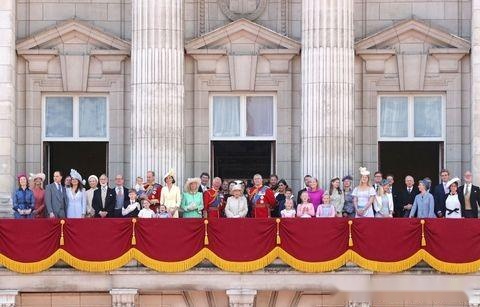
<point>123,297</point>
<point>8,298</point>
<point>241,297</point>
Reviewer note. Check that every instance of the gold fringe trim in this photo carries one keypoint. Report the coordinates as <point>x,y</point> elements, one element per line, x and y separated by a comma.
<point>279,241</point>
<point>134,239</point>
<point>30,267</point>
<point>350,240</point>
<point>451,268</point>
<point>386,267</point>
<point>424,242</point>
<point>96,266</point>
<point>245,266</point>
<point>169,267</point>
<point>205,240</point>
<point>314,267</point>
<point>62,240</point>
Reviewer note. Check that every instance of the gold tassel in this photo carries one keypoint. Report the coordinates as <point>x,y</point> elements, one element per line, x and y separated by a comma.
<point>62,240</point>
<point>279,241</point>
<point>205,240</point>
<point>134,239</point>
<point>424,242</point>
<point>350,240</point>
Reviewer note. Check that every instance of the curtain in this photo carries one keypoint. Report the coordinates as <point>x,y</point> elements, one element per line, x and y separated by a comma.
<point>394,116</point>
<point>260,116</point>
<point>93,117</point>
<point>226,116</point>
<point>428,116</point>
<point>59,117</point>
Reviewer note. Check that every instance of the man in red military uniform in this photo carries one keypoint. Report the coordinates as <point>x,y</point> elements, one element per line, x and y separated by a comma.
<point>153,191</point>
<point>260,198</point>
<point>213,200</point>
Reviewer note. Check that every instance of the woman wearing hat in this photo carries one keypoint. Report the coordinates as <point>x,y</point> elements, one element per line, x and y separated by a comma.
<point>76,197</point>
<point>452,203</point>
<point>383,203</point>
<point>364,195</point>
<point>22,198</point>
<point>171,196</point>
<point>93,183</point>
<point>38,195</point>
<point>192,200</point>
<point>348,207</point>
<point>424,203</point>
<point>237,203</point>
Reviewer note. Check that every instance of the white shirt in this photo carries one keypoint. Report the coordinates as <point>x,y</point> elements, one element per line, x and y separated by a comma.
<point>236,207</point>
<point>467,187</point>
<point>452,203</point>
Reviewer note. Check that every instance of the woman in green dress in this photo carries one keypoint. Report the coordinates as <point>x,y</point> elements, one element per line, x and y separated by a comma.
<point>192,200</point>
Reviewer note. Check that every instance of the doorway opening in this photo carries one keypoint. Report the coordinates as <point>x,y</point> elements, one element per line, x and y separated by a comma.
<point>418,159</point>
<point>88,158</point>
<point>243,159</point>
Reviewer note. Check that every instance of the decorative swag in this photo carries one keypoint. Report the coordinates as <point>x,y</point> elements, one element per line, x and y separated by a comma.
<point>241,245</point>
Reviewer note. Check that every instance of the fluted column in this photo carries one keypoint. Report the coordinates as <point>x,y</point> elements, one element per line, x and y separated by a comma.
<point>327,88</point>
<point>8,298</point>
<point>475,71</point>
<point>241,297</point>
<point>123,297</point>
<point>157,87</point>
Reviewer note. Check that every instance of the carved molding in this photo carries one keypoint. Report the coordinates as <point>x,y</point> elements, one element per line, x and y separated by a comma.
<point>224,7</point>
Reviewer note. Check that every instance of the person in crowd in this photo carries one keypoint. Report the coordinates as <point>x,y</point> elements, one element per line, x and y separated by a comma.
<point>406,197</point>
<point>393,190</point>
<point>315,193</point>
<point>121,195</point>
<point>452,202</point>
<point>139,185</point>
<point>326,208</point>
<point>428,183</point>
<point>440,191</point>
<point>383,203</point>
<point>22,199</point>
<point>273,182</point>
<point>76,197</point>
<point>348,207</point>
<point>336,196</point>
<point>289,210</point>
<point>424,204</point>
<point>163,212</point>
<point>289,195</point>
<point>305,207</point>
<point>153,191</point>
<point>225,187</point>
<point>236,206</point>
<point>364,195</point>
<point>56,197</point>
<point>146,212</point>
<point>171,196</point>
<point>38,195</point>
<point>131,207</point>
<point>469,196</point>
<point>104,199</point>
<point>306,182</point>
<point>68,182</point>
<point>213,200</point>
<point>93,184</point>
<point>192,199</point>
<point>204,181</point>
<point>377,180</point>
<point>280,197</point>
<point>261,198</point>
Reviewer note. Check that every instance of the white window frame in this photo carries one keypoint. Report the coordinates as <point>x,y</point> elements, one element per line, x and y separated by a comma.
<point>76,118</point>
<point>411,118</point>
<point>243,118</point>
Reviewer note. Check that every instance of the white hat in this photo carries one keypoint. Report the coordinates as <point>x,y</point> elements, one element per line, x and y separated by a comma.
<point>35,176</point>
<point>237,187</point>
<point>364,171</point>
<point>93,177</point>
<point>451,181</point>
<point>170,173</point>
<point>75,175</point>
<point>190,181</point>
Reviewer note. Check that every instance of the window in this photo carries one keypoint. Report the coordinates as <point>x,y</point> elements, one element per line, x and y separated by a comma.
<point>80,118</point>
<point>414,117</point>
<point>243,117</point>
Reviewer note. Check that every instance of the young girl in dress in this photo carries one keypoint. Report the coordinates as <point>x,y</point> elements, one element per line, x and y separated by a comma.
<point>163,213</point>
<point>305,209</point>
<point>289,211</point>
<point>326,208</point>
<point>146,212</point>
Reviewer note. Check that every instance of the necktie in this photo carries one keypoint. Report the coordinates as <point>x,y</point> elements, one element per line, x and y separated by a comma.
<point>58,186</point>
<point>104,195</point>
<point>467,189</point>
<point>409,190</point>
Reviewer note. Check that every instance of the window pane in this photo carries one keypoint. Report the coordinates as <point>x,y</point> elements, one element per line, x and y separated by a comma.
<point>260,116</point>
<point>394,117</point>
<point>59,117</point>
<point>428,116</point>
<point>93,117</point>
<point>226,116</point>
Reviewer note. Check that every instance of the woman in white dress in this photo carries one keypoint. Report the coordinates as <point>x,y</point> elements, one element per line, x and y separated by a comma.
<point>237,204</point>
<point>364,195</point>
<point>93,183</point>
<point>76,197</point>
<point>452,203</point>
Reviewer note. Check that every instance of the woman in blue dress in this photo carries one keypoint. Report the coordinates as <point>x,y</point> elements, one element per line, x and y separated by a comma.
<point>76,197</point>
<point>22,198</point>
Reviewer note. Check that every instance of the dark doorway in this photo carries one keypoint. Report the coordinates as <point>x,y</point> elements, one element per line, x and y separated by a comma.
<point>88,158</point>
<point>418,159</point>
<point>242,159</point>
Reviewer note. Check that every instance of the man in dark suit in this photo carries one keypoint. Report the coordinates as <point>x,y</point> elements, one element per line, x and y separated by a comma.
<point>406,198</point>
<point>104,199</point>
<point>377,180</point>
<point>306,182</point>
<point>204,180</point>
<point>121,195</point>
<point>56,197</point>
<point>469,197</point>
<point>439,193</point>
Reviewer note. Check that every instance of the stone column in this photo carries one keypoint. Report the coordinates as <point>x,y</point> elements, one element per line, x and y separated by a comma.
<point>157,88</point>
<point>8,298</point>
<point>327,131</point>
<point>8,60</point>
<point>123,297</point>
<point>358,304</point>
<point>475,108</point>
<point>241,297</point>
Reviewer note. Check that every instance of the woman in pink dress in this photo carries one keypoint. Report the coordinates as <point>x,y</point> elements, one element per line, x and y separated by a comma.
<point>38,195</point>
<point>315,193</point>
